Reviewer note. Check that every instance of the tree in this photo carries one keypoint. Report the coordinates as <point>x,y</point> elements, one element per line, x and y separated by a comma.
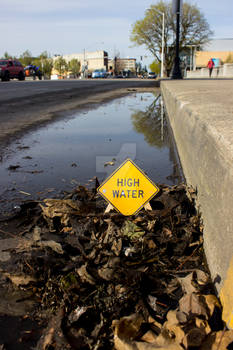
<point>47,66</point>
<point>6,55</point>
<point>60,65</point>
<point>194,30</point>
<point>44,55</point>
<point>155,67</point>
<point>148,123</point>
<point>74,67</point>
<point>45,63</point>
<point>138,68</point>
<point>229,58</point>
<point>26,58</point>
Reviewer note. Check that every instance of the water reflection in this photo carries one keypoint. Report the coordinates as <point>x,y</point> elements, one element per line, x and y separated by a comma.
<point>150,123</point>
<point>73,150</point>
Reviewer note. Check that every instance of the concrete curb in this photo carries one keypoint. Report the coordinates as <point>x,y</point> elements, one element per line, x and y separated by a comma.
<point>200,114</point>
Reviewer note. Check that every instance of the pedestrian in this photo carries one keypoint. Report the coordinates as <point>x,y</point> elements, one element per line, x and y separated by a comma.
<point>210,65</point>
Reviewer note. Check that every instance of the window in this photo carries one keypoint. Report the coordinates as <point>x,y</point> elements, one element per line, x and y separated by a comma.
<point>3,63</point>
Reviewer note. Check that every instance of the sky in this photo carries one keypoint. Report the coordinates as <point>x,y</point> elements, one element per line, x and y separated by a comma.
<point>70,26</point>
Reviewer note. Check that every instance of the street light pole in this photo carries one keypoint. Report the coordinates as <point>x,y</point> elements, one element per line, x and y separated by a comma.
<point>163,35</point>
<point>176,74</point>
<point>163,41</point>
<point>85,66</point>
<point>162,58</point>
<point>84,63</point>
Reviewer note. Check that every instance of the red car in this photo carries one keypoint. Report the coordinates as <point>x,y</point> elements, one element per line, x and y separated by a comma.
<point>10,69</point>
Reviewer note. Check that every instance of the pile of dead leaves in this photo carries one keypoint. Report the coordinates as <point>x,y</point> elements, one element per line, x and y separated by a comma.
<point>104,281</point>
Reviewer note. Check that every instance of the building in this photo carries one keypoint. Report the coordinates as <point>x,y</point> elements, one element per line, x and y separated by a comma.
<point>121,65</point>
<point>217,48</point>
<point>89,61</point>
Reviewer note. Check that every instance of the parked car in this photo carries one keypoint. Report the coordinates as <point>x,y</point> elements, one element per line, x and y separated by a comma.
<point>33,71</point>
<point>152,75</point>
<point>10,69</point>
<point>99,73</point>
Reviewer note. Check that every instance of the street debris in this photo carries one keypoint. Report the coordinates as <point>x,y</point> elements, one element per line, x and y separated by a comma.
<point>25,193</point>
<point>100,280</point>
<point>112,162</point>
<point>13,167</point>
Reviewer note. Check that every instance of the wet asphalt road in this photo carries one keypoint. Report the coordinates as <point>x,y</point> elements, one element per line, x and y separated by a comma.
<point>14,89</point>
<point>25,104</point>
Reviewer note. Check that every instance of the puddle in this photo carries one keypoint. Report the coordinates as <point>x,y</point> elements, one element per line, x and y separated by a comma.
<point>71,151</point>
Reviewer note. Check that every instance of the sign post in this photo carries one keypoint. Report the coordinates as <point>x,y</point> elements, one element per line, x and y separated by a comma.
<point>128,189</point>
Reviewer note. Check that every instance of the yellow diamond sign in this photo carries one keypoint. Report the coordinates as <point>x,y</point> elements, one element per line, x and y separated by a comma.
<point>128,189</point>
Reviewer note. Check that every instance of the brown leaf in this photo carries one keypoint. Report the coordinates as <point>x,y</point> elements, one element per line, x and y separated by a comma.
<point>117,246</point>
<point>171,329</point>
<point>167,232</point>
<point>218,341</point>
<point>123,345</point>
<point>190,304</point>
<point>149,337</point>
<point>19,279</point>
<point>181,317</point>
<point>151,244</point>
<point>128,327</point>
<point>84,275</point>
<point>212,302</point>
<point>201,277</point>
<point>62,208</point>
<point>186,284</point>
<point>151,225</point>
<point>203,324</point>
<point>194,337</point>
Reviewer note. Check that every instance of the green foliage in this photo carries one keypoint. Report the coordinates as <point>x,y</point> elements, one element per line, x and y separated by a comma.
<point>194,30</point>
<point>47,66</point>
<point>26,58</point>
<point>45,62</point>
<point>60,65</point>
<point>36,61</point>
<point>155,67</point>
<point>229,58</point>
<point>148,123</point>
<point>44,55</point>
<point>6,55</point>
<point>74,67</point>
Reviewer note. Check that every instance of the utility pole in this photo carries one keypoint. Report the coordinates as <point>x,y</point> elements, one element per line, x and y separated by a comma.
<point>163,43</point>
<point>177,6</point>
<point>162,58</point>
<point>84,64</point>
